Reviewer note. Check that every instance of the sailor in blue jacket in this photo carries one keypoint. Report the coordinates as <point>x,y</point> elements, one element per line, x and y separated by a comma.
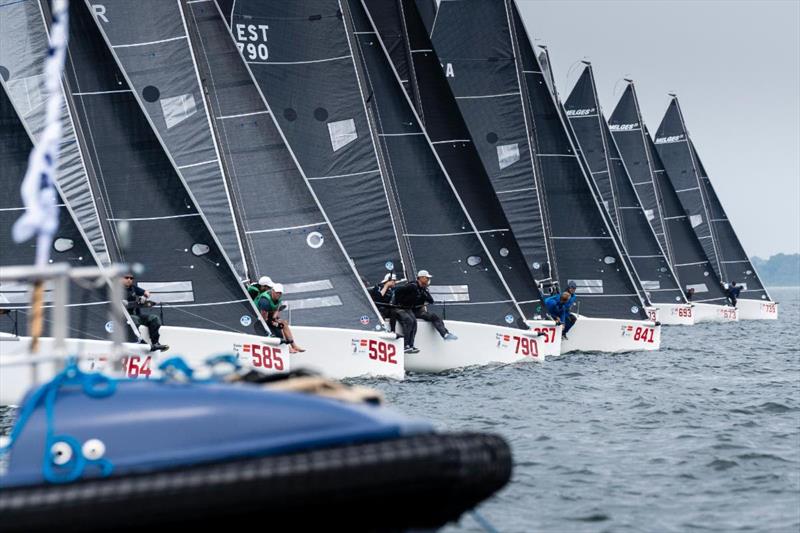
<point>733,293</point>
<point>558,308</point>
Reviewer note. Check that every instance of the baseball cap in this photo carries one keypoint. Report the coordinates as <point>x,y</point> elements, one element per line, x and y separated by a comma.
<point>571,285</point>
<point>424,274</point>
<point>265,280</point>
<point>278,287</point>
<point>389,276</point>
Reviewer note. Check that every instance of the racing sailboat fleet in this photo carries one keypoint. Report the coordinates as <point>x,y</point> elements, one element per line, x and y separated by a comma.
<point>328,143</point>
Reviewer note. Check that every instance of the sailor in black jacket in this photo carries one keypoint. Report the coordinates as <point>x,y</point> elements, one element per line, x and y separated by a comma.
<point>412,300</point>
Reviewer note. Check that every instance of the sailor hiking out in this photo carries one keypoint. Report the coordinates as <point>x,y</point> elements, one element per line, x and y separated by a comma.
<point>558,308</point>
<point>733,292</point>
<point>135,299</point>
<point>269,305</point>
<point>264,284</point>
<point>411,301</point>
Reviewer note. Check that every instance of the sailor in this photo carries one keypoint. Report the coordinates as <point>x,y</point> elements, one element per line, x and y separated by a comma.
<point>413,299</point>
<point>571,288</point>
<point>381,294</point>
<point>689,294</point>
<point>135,299</point>
<point>269,304</point>
<point>733,293</point>
<point>558,308</point>
<point>263,285</point>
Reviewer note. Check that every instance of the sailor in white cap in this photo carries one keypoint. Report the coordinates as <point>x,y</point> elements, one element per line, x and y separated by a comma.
<point>413,300</point>
<point>263,285</point>
<point>269,304</point>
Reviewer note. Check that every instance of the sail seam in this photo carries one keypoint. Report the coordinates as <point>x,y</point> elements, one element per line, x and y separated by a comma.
<point>487,96</point>
<point>689,189</point>
<point>452,141</point>
<point>298,62</point>
<point>286,228</point>
<point>399,134</point>
<point>581,238</point>
<point>690,264</point>
<point>102,92</point>
<point>153,218</point>
<point>223,117</point>
<point>148,42</point>
<point>516,190</point>
<point>346,175</point>
<point>199,164</point>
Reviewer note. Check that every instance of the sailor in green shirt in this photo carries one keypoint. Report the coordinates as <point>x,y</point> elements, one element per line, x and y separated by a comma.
<point>263,285</point>
<point>269,305</point>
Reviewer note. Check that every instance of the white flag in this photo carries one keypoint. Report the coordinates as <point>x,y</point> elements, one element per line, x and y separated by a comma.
<point>38,188</point>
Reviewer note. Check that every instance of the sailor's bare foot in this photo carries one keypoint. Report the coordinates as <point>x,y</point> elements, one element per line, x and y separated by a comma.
<point>293,348</point>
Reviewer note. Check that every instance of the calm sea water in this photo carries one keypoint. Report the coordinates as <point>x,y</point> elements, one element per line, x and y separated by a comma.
<point>703,435</point>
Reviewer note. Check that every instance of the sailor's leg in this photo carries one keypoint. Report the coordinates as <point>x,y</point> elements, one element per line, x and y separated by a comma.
<point>153,326</point>
<point>287,334</point>
<point>571,319</point>
<point>409,323</point>
<point>434,319</point>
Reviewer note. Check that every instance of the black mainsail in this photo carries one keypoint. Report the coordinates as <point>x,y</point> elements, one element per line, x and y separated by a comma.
<point>300,56</point>
<point>287,234</point>
<point>138,189</point>
<point>626,127</point>
<point>89,306</point>
<point>697,195</point>
<point>513,116</point>
<point>404,38</point>
<point>619,195</point>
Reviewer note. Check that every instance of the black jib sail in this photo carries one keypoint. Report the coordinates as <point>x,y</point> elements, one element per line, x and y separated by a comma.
<point>152,216</point>
<point>436,233</point>
<point>734,262</point>
<point>684,249</point>
<point>149,42</point>
<point>300,56</point>
<point>619,195</point>
<point>89,307</point>
<point>507,103</point>
<point>403,36</point>
<point>701,203</point>
<point>23,49</point>
<point>287,233</point>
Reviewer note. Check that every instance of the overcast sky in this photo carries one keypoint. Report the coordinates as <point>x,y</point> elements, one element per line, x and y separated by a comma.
<point>735,66</point>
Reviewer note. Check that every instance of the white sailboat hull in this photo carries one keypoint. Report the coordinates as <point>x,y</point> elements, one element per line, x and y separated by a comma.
<point>757,310</point>
<point>675,314</point>
<point>611,335</point>
<point>480,344</point>
<point>714,313</point>
<point>334,353</point>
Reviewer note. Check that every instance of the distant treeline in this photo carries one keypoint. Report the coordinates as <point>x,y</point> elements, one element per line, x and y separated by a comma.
<point>780,270</point>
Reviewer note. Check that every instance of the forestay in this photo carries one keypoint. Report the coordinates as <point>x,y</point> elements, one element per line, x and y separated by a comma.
<point>287,234</point>
<point>491,60</point>
<point>150,213</point>
<point>611,176</point>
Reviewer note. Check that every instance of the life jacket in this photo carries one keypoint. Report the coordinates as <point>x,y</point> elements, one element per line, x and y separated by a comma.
<point>273,306</point>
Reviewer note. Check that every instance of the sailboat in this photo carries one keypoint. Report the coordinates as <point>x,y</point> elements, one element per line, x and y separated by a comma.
<point>227,148</point>
<point>669,220</point>
<point>708,218</point>
<point>621,199</point>
<point>537,173</point>
<point>344,108</point>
